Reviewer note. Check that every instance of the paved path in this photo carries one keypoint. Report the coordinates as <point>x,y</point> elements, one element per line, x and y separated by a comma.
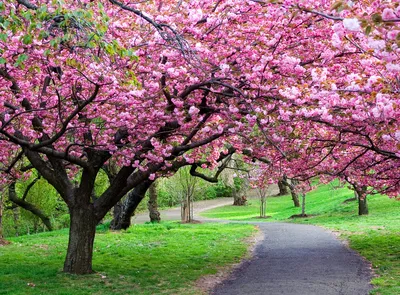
<point>300,260</point>
<point>291,259</point>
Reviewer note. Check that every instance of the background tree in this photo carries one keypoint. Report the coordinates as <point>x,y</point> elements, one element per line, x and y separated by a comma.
<point>152,205</point>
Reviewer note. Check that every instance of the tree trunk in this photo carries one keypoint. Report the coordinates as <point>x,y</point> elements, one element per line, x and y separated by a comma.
<point>283,189</point>
<point>123,221</point>
<point>295,197</point>
<point>303,204</point>
<point>263,205</point>
<point>362,199</point>
<point>239,200</point>
<point>81,238</point>
<point>185,210</point>
<point>117,211</point>
<point>362,206</point>
<point>152,204</point>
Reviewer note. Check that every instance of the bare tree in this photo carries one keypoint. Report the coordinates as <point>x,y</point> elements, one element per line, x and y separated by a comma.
<point>262,193</point>
<point>187,184</point>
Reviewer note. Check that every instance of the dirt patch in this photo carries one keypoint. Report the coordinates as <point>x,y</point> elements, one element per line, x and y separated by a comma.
<point>302,216</point>
<point>206,283</point>
<point>4,242</point>
<point>262,217</point>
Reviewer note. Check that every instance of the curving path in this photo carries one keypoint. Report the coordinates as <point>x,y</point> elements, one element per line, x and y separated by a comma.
<point>302,260</point>
<point>291,259</point>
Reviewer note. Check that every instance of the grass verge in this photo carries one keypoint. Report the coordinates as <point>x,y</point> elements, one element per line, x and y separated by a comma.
<point>376,236</point>
<point>147,259</point>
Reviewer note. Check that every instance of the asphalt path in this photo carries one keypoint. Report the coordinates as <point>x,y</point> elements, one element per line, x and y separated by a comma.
<point>299,259</point>
<point>290,259</point>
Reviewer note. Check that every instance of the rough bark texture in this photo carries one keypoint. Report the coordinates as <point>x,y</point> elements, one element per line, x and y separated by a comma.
<point>283,189</point>
<point>12,195</point>
<point>117,211</point>
<point>362,206</point>
<point>361,193</point>
<point>152,204</point>
<point>133,199</point>
<point>81,238</point>
<point>239,200</point>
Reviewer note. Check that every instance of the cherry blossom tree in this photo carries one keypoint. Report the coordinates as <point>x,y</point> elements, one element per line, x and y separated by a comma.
<point>151,84</point>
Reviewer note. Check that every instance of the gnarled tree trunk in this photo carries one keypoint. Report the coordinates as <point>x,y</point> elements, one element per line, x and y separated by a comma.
<point>283,189</point>
<point>133,199</point>
<point>81,238</point>
<point>152,204</point>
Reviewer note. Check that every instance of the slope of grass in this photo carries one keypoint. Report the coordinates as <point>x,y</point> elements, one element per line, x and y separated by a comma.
<point>376,236</point>
<point>147,259</point>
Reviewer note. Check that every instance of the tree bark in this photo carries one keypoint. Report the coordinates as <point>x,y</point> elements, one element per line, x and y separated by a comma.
<point>283,189</point>
<point>362,199</point>
<point>152,205</point>
<point>238,200</point>
<point>263,206</point>
<point>81,239</point>
<point>362,206</point>
<point>303,204</point>
<point>133,199</point>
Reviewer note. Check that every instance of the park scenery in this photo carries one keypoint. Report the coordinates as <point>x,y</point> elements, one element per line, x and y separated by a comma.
<point>200,147</point>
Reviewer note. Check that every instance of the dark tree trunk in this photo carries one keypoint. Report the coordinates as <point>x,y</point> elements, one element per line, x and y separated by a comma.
<point>117,211</point>
<point>239,200</point>
<point>81,238</point>
<point>152,204</point>
<point>12,195</point>
<point>362,206</point>
<point>283,189</point>
<point>129,206</point>
<point>361,193</point>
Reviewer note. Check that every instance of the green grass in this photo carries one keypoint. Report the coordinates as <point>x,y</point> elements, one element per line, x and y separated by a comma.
<point>148,259</point>
<point>376,236</point>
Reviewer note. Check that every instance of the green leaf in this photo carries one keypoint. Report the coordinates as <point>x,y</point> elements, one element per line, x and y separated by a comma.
<point>3,37</point>
<point>376,18</point>
<point>20,60</point>
<point>2,61</point>
<point>27,39</point>
<point>368,30</point>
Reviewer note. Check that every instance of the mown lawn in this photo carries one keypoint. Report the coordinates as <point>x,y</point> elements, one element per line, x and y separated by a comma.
<point>376,236</point>
<point>147,259</point>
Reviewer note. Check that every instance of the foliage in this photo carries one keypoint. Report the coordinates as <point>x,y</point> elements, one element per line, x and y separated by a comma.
<point>147,259</point>
<point>374,236</point>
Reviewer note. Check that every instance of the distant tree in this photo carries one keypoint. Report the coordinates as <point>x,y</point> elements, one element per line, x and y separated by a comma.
<point>152,205</point>
<point>262,193</point>
<point>283,189</point>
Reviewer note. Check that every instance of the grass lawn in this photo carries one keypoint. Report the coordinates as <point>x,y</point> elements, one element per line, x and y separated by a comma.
<point>376,236</point>
<point>147,259</point>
